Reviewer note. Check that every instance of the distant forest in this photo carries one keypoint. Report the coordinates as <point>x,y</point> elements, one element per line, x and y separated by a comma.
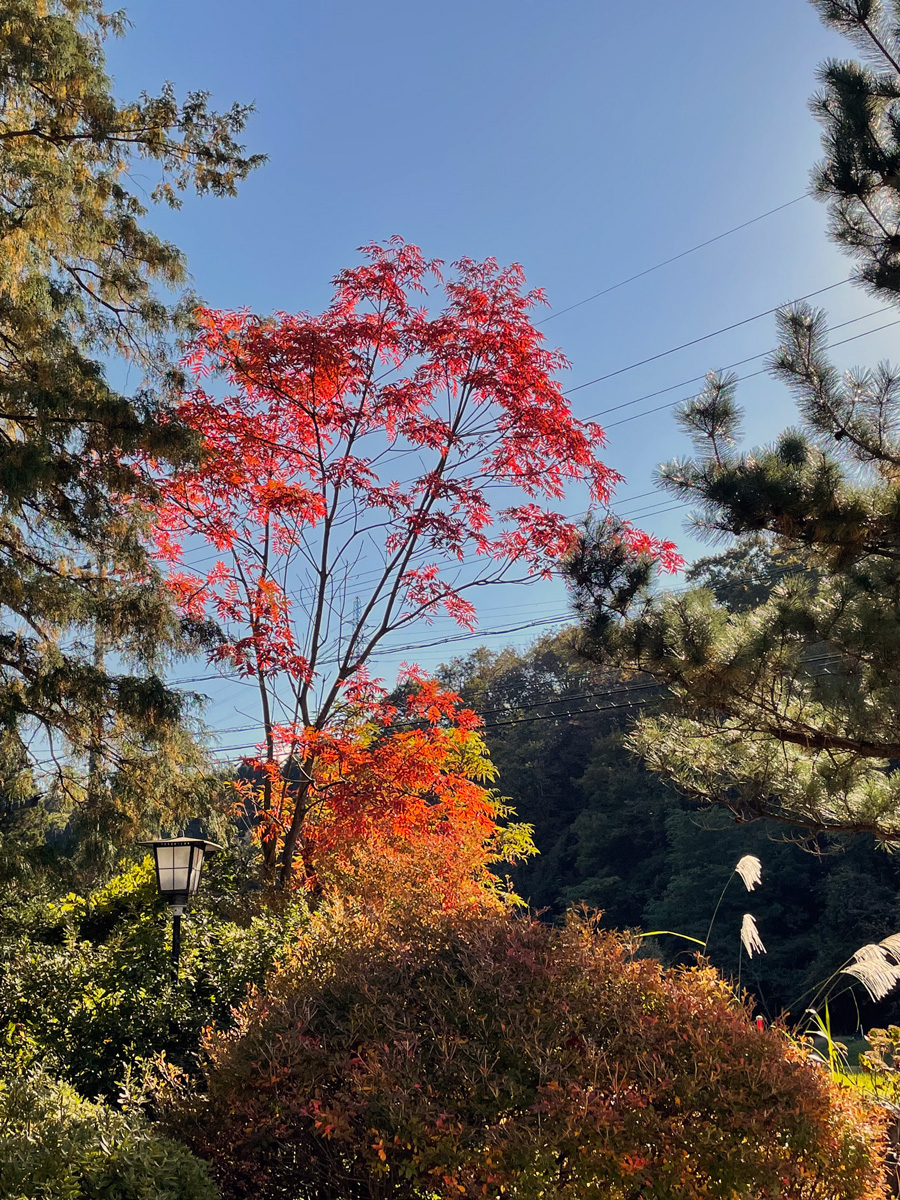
<point>612,836</point>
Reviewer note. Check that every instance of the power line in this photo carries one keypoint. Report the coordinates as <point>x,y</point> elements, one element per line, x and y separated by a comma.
<point>372,574</point>
<point>465,561</point>
<point>728,367</point>
<point>368,575</point>
<point>674,258</point>
<point>706,337</point>
<point>658,511</point>
<point>593,708</point>
<point>631,689</point>
<point>473,635</point>
<point>653,358</point>
<point>606,707</point>
<point>605,692</point>
<point>653,511</point>
<point>556,716</point>
<point>497,724</point>
<point>743,378</point>
<point>447,639</point>
<point>503,708</point>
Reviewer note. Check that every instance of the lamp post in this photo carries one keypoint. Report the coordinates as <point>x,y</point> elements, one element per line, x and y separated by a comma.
<point>179,862</point>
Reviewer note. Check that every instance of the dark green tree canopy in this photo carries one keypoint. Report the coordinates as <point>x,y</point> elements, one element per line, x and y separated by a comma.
<point>789,707</point>
<point>83,283</point>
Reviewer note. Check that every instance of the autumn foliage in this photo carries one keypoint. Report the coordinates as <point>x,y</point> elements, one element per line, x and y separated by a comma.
<point>484,1055</point>
<point>365,469</point>
<point>400,805</point>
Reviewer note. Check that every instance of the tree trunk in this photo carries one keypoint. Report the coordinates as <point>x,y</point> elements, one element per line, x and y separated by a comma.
<point>95,764</point>
<point>292,838</point>
<point>269,839</point>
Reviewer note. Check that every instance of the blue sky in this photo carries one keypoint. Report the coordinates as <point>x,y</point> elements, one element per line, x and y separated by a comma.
<point>587,141</point>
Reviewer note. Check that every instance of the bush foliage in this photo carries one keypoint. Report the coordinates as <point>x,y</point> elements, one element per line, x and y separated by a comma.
<point>86,978</point>
<point>480,1055</point>
<point>56,1146</point>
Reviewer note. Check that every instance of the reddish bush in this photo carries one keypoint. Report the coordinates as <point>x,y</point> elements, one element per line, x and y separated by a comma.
<point>480,1055</point>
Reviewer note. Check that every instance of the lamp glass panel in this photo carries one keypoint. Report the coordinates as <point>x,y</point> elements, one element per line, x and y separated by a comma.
<point>196,868</point>
<point>173,866</point>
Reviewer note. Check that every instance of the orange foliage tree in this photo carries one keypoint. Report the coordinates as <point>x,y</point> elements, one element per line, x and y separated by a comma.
<point>400,804</point>
<point>365,469</point>
<point>481,1055</point>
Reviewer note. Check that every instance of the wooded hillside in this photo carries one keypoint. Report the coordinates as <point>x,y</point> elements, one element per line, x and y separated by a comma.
<point>612,835</point>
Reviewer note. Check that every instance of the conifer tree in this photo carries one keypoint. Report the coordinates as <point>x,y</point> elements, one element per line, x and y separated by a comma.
<point>791,707</point>
<point>84,284</point>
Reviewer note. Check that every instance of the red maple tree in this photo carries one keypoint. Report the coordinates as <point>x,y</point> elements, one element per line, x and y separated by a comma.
<point>360,451</point>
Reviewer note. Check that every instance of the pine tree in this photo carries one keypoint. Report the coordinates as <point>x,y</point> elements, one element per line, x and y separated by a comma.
<point>84,284</point>
<point>790,708</point>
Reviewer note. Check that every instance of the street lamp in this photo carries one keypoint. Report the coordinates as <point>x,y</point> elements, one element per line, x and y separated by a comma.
<point>179,862</point>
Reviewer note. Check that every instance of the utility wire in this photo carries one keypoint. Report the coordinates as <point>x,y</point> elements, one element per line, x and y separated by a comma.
<point>597,708</point>
<point>455,639</point>
<point>656,511</point>
<point>876,312</point>
<point>648,412</point>
<point>403,648</point>
<point>505,708</point>
<point>492,725</point>
<point>650,395</point>
<point>743,378</point>
<point>706,336</point>
<point>628,689</point>
<point>371,574</point>
<point>675,257</point>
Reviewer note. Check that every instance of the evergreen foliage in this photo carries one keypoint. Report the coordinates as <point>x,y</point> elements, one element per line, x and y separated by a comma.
<point>85,978</point>
<point>790,707</point>
<point>83,284</point>
<point>56,1146</point>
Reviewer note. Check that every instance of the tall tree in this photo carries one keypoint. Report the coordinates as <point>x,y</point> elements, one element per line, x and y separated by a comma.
<point>83,283</point>
<point>349,481</point>
<point>791,708</point>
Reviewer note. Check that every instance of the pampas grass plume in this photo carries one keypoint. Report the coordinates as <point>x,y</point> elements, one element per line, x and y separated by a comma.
<point>876,966</point>
<point>750,938</point>
<point>750,870</point>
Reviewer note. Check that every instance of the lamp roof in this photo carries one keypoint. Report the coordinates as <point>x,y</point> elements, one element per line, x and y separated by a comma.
<point>208,847</point>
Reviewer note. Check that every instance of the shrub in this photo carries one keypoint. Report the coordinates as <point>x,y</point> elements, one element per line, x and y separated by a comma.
<point>56,1146</point>
<point>480,1054</point>
<point>86,978</point>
